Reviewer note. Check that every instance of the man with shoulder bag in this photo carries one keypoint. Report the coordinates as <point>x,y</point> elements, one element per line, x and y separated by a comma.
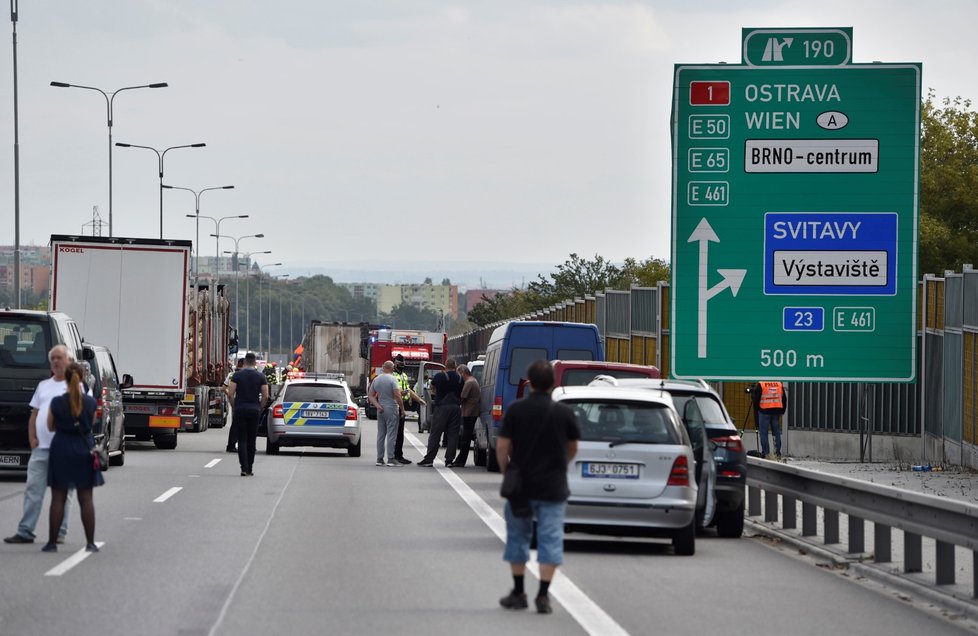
<point>537,441</point>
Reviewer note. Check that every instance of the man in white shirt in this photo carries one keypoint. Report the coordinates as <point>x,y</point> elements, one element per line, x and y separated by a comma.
<point>40,438</point>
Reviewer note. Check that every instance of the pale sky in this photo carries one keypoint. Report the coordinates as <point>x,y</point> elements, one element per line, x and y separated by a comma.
<point>513,131</point>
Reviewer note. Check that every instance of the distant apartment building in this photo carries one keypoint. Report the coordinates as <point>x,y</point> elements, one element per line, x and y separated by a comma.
<point>441,299</point>
<point>35,268</point>
<point>475,296</point>
<point>361,290</point>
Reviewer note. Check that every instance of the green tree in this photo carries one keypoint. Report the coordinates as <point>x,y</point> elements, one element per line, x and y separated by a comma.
<point>948,183</point>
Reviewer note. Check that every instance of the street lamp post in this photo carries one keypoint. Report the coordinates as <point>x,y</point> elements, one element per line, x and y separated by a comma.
<point>109,102</point>
<point>237,317</point>
<point>247,295</point>
<point>217,241</point>
<point>260,268</point>
<point>160,155</point>
<point>197,194</point>
<point>270,317</point>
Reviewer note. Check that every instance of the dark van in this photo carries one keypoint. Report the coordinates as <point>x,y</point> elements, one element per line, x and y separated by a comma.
<point>109,426</point>
<point>26,337</point>
<point>510,351</point>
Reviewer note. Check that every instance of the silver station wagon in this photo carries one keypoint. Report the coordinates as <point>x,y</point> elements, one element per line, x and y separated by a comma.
<point>314,411</point>
<point>634,471</point>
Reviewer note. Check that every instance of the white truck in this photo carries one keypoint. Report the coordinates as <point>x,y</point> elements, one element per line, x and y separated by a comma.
<point>334,347</point>
<point>130,295</point>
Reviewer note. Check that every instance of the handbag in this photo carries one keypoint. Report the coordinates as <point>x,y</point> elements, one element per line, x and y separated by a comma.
<point>100,458</point>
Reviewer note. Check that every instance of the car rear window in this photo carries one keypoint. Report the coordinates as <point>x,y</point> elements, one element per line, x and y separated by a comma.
<point>698,409</point>
<point>618,420</point>
<point>583,377</point>
<point>520,361</point>
<point>477,372</point>
<point>314,393</point>
<point>24,343</point>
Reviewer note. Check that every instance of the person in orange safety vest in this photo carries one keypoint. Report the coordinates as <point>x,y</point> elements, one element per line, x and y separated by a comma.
<point>770,400</point>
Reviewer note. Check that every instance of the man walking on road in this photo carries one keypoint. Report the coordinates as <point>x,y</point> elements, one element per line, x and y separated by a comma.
<point>385,395</point>
<point>247,392</point>
<point>233,432</point>
<point>471,405</point>
<point>540,437</point>
<point>40,438</point>
<point>447,389</point>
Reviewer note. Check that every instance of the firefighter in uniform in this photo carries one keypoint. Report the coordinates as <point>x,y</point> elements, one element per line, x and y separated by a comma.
<point>409,396</point>
<point>771,399</point>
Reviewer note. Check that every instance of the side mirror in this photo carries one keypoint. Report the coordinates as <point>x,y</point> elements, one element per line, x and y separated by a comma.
<point>87,354</point>
<point>126,381</point>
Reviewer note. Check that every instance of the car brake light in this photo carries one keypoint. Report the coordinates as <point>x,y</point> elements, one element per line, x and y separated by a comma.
<point>98,408</point>
<point>497,408</point>
<point>734,474</point>
<point>679,476</point>
<point>186,410</point>
<point>731,443</point>
<point>351,413</point>
<point>278,411</point>
<point>166,410</point>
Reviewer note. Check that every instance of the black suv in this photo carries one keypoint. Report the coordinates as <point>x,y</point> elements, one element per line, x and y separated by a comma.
<point>109,426</point>
<point>26,337</point>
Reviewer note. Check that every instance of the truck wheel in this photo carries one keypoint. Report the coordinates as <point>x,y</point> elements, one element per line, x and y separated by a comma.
<point>165,441</point>
<point>353,450</point>
<point>730,523</point>
<point>271,448</point>
<point>684,543</point>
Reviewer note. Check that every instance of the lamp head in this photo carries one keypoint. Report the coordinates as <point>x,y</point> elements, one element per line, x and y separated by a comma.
<point>60,84</point>
<point>158,85</point>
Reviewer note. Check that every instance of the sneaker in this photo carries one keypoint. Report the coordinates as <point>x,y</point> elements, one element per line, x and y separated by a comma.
<point>403,460</point>
<point>395,464</point>
<point>424,464</point>
<point>50,547</point>
<point>380,462</point>
<point>18,539</point>
<point>244,474</point>
<point>543,605</point>
<point>230,450</point>
<point>513,601</point>
<point>91,547</point>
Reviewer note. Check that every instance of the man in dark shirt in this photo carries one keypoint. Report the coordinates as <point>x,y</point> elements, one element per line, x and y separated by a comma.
<point>247,392</point>
<point>447,389</point>
<point>540,436</point>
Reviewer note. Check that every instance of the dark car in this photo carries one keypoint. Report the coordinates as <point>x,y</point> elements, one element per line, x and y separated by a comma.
<point>699,405</point>
<point>109,426</point>
<point>26,337</point>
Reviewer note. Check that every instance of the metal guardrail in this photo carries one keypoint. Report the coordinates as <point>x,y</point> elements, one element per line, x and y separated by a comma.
<point>950,523</point>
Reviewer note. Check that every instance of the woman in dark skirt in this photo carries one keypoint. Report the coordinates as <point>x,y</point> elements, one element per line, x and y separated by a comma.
<point>70,466</point>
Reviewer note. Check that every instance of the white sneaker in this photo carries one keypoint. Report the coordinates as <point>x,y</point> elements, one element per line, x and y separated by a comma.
<point>394,463</point>
<point>380,462</point>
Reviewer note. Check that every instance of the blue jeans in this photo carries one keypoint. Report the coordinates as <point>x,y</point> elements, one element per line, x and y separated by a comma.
<point>37,485</point>
<point>550,533</point>
<point>770,421</point>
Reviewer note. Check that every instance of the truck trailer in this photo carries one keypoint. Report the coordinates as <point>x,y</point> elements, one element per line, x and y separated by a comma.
<point>130,294</point>
<point>334,347</point>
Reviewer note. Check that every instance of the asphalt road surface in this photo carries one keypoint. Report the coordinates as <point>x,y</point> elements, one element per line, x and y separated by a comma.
<point>321,543</point>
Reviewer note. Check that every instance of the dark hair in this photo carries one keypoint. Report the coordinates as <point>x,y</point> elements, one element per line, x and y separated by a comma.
<point>250,359</point>
<point>73,375</point>
<point>399,358</point>
<point>541,375</point>
<point>450,363</point>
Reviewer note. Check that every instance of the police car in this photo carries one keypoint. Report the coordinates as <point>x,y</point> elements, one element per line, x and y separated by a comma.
<point>314,410</point>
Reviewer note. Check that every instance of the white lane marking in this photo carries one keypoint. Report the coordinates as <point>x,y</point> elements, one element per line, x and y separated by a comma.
<point>132,518</point>
<point>579,605</point>
<point>72,561</point>
<point>169,493</point>
<point>251,559</point>
<point>212,463</point>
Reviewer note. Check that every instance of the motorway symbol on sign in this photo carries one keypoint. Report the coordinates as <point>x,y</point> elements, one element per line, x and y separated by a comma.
<point>797,176</point>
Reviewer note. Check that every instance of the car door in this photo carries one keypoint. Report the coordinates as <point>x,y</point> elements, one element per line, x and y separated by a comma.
<point>112,400</point>
<point>426,371</point>
<point>705,466</point>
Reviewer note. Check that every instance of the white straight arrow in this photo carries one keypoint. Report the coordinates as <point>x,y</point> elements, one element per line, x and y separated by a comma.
<point>732,278</point>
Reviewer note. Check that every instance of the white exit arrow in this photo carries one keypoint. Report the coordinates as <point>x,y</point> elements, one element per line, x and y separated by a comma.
<point>732,278</point>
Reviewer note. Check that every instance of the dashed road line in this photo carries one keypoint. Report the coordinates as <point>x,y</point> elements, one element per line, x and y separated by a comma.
<point>579,605</point>
<point>212,463</point>
<point>72,561</point>
<point>169,493</point>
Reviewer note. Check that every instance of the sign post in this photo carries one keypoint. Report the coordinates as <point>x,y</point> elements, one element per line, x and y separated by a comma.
<point>794,245</point>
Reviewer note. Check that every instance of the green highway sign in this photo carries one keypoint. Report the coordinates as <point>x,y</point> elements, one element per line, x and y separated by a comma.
<point>796,47</point>
<point>794,230</point>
